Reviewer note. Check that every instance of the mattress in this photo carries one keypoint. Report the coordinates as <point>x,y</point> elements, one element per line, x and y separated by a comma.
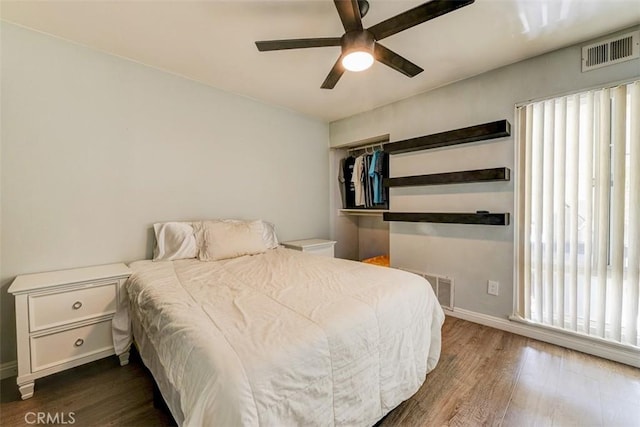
<point>283,338</point>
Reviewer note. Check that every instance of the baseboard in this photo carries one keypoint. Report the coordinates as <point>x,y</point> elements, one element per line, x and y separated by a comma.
<point>585,345</point>
<point>9,369</point>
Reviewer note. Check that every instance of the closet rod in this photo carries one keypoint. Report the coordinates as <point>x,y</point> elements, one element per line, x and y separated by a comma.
<point>379,145</point>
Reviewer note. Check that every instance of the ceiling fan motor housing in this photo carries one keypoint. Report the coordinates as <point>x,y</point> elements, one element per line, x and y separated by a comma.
<point>357,41</point>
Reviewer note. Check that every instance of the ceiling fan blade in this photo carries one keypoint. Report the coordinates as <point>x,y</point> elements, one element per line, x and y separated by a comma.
<point>334,75</point>
<point>415,16</point>
<point>349,14</point>
<point>395,61</point>
<point>267,45</point>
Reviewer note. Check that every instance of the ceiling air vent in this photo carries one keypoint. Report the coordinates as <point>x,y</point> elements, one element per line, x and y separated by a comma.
<point>611,51</point>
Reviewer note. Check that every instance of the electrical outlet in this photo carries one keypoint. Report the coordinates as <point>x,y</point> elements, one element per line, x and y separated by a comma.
<point>493,287</point>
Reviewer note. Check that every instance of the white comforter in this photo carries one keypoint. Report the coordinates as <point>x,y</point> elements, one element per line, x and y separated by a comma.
<point>287,338</point>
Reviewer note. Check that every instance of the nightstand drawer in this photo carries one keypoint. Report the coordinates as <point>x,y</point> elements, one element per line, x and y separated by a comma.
<point>327,251</point>
<point>54,309</point>
<point>65,346</point>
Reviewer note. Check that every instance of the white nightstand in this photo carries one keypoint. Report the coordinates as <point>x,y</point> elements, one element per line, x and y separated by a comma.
<point>312,246</point>
<point>63,319</point>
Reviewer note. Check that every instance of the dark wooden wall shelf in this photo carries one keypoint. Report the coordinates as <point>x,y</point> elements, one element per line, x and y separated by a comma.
<point>449,218</point>
<point>478,175</point>
<point>498,129</point>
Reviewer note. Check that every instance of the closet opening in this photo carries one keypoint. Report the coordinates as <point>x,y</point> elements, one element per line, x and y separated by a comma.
<point>359,198</point>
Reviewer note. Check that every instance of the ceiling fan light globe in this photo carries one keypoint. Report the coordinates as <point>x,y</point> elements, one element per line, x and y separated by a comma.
<point>357,61</point>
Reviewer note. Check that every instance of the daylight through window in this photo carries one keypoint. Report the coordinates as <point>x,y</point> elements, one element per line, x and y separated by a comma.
<point>579,213</point>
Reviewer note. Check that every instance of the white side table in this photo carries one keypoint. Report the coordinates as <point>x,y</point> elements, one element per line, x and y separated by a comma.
<point>63,319</point>
<point>313,246</point>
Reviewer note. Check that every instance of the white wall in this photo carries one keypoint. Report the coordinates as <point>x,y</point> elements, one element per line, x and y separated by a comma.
<point>373,237</point>
<point>96,148</point>
<point>471,254</point>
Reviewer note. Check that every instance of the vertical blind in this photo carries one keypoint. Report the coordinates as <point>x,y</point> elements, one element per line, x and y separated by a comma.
<point>579,213</point>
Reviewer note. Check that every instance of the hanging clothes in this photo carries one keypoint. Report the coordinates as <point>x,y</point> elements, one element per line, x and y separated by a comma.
<point>358,182</point>
<point>382,170</point>
<point>346,184</point>
<point>368,182</point>
<point>375,176</point>
<point>341,184</point>
<point>361,180</point>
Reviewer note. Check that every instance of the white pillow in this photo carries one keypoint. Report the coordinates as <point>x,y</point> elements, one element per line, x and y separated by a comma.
<point>269,235</point>
<point>231,239</point>
<point>174,240</point>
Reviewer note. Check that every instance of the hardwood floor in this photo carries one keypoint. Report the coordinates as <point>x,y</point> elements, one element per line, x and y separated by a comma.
<point>99,394</point>
<point>484,377</point>
<point>491,377</point>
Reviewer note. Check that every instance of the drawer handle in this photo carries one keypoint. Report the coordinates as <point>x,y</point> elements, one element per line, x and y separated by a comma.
<point>76,305</point>
<point>79,342</point>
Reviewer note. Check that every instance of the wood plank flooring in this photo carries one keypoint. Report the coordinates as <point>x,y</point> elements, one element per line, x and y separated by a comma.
<point>491,377</point>
<point>484,377</point>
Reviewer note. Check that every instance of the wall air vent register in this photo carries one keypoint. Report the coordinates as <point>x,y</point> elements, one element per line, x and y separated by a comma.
<point>611,51</point>
<point>442,286</point>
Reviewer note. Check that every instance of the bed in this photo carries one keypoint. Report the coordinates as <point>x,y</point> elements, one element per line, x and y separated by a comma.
<point>283,338</point>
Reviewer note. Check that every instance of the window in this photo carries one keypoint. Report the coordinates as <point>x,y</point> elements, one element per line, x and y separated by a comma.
<point>578,213</point>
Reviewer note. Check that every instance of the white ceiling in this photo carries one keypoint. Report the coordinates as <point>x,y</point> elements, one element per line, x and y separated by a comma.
<point>212,42</point>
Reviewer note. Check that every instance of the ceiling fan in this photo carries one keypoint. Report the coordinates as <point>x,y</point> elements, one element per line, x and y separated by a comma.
<point>360,46</point>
